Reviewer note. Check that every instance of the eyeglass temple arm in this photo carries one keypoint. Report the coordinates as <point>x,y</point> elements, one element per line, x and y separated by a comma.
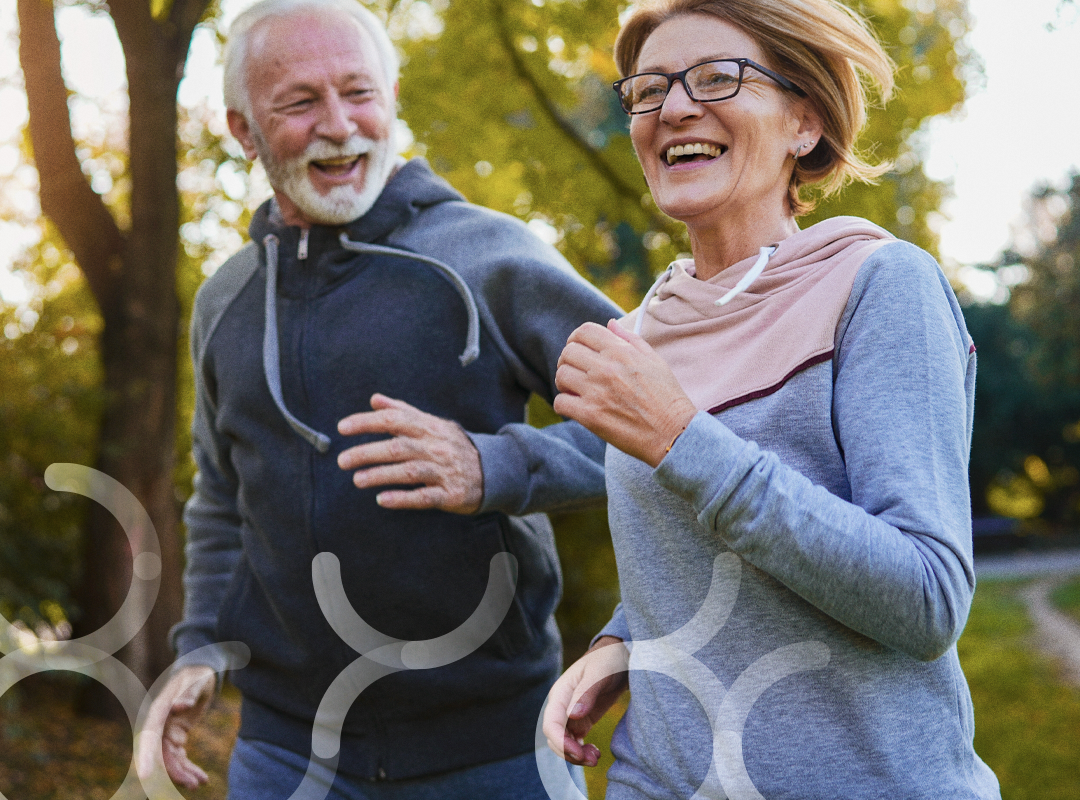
<point>791,87</point>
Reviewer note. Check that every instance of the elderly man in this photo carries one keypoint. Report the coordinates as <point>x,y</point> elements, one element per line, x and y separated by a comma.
<point>370,280</point>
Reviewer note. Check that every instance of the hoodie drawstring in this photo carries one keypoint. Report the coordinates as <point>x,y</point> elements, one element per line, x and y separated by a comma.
<point>649,295</point>
<point>472,337</point>
<point>744,283</point>
<point>271,357</point>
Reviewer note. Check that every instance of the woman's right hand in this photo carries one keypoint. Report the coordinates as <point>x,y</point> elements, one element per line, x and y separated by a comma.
<point>581,697</point>
<point>612,382</point>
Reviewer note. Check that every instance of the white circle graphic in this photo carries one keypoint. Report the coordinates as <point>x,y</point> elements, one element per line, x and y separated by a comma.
<point>672,655</point>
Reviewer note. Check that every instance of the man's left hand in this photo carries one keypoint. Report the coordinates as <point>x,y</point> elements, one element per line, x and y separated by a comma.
<point>427,450</point>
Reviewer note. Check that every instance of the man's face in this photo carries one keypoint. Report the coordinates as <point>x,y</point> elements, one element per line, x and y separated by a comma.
<point>322,117</point>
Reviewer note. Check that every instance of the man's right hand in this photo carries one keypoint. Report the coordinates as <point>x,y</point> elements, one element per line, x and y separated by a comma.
<point>163,739</point>
<point>424,449</point>
<point>581,697</point>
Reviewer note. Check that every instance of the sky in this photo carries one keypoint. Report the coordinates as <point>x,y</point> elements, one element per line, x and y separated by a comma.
<point>1018,130</point>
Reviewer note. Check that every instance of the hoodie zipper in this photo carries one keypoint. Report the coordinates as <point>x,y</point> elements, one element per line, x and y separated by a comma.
<point>301,250</point>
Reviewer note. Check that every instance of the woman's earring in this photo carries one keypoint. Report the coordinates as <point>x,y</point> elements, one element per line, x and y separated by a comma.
<point>798,150</point>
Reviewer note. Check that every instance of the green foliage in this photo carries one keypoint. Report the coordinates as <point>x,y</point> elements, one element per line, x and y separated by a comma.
<point>1021,463</point>
<point>1049,300</point>
<point>49,409</point>
<point>934,67</point>
<point>1026,449</point>
<point>50,370</point>
<point>1025,718</point>
<point>512,103</point>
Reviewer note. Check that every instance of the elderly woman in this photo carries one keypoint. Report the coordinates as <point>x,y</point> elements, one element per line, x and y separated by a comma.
<point>789,414</point>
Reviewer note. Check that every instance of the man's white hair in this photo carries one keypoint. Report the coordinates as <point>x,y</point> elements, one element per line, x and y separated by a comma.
<point>236,48</point>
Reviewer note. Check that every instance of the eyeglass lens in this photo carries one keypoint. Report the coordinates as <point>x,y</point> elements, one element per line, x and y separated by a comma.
<point>713,80</point>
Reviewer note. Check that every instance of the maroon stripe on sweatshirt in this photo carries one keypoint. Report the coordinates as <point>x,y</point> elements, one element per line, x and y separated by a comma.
<point>746,398</point>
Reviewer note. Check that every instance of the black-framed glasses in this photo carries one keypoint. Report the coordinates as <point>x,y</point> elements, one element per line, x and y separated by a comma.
<point>704,83</point>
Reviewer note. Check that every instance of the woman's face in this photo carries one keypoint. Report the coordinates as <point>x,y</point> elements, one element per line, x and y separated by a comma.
<point>749,139</point>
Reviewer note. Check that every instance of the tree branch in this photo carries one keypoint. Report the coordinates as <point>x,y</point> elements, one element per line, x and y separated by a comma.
<point>137,31</point>
<point>183,17</point>
<point>157,41</point>
<point>79,213</point>
<point>591,154</point>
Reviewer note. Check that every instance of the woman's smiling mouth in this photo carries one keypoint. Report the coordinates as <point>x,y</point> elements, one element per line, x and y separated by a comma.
<point>683,153</point>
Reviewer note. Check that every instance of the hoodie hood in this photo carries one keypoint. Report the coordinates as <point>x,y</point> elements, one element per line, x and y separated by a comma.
<point>729,341</point>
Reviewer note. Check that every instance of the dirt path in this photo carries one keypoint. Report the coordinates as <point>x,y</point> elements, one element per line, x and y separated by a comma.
<point>1059,634</point>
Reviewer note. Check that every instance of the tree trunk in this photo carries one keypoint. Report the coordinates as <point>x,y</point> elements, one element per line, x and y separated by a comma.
<point>133,277</point>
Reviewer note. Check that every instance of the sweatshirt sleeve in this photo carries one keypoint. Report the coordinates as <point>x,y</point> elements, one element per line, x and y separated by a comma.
<point>527,469</point>
<point>212,520</point>
<point>895,562</point>
<point>530,300</point>
<point>617,626</point>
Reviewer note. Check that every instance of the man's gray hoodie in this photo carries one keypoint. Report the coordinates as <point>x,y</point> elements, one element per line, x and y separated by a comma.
<point>461,312</point>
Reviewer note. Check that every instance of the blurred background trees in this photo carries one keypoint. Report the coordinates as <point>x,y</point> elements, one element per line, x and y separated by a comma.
<point>1026,449</point>
<point>510,100</point>
<point>126,252</point>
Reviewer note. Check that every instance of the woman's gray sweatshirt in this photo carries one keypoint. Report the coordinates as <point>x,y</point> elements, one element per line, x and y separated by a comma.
<point>796,572</point>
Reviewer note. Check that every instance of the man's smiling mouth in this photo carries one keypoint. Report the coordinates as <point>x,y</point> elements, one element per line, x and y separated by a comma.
<point>336,166</point>
<point>694,151</point>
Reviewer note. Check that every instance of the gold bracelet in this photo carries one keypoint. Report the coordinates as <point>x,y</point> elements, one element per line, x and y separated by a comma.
<point>677,435</point>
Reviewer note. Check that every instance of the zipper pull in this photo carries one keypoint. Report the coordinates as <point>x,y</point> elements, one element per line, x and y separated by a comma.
<point>301,251</point>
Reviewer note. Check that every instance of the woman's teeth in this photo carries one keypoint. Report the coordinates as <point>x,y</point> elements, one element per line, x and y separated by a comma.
<point>691,150</point>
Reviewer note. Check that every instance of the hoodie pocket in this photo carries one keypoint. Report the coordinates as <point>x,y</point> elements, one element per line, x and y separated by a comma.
<point>517,632</point>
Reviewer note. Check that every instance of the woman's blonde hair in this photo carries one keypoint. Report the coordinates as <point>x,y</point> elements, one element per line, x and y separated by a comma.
<point>825,48</point>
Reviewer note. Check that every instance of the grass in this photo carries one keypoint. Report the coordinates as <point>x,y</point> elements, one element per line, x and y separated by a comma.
<point>1067,598</point>
<point>1026,720</point>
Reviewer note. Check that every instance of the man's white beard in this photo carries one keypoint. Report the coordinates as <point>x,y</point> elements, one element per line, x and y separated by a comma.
<point>342,204</point>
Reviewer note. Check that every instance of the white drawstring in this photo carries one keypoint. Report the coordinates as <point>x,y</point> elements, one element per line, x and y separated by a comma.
<point>759,266</point>
<point>649,295</point>
<point>749,277</point>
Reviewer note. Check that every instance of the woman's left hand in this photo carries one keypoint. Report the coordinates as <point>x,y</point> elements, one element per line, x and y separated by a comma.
<point>612,382</point>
